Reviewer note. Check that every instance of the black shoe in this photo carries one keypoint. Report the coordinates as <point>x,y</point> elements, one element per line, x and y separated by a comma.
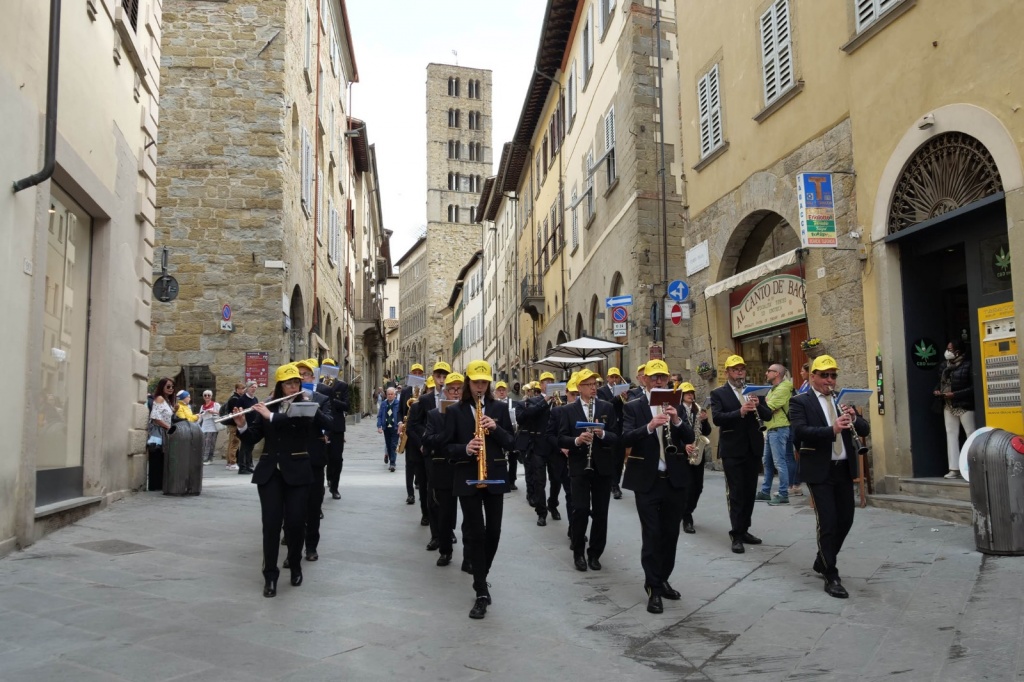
<point>296,578</point>
<point>416,486</point>
<point>616,492</point>
<point>750,539</point>
<point>391,469</point>
<point>411,499</point>
<point>594,564</point>
<point>467,567</point>
<point>321,514</point>
<point>335,495</point>
<point>312,555</point>
<point>654,604</point>
<point>513,487</point>
<point>688,527</point>
<point>286,564</point>
<point>669,593</point>
<point>479,609</point>
<point>270,588</point>
<point>737,546</point>
<point>424,521</point>
<point>542,520</point>
<point>455,540</point>
<point>834,588</point>
<point>444,559</point>
<point>284,540</point>
<point>818,566</point>
<point>433,545</point>
<point>555,516</point>
<point>579,562</point>
<point>242,471</point>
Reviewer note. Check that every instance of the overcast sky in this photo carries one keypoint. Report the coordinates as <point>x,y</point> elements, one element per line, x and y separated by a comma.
<point>394,42</point>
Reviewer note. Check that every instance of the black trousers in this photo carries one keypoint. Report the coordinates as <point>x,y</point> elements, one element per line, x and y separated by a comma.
<point>740,489</point>
<point>416,470</point>
<point>444,507</point>
<point>335,460</point>
<point>481,531</point>
<point>833,507</point>
<point>282,502</point>
<point>314,504</point>
<point>620,463</point>
<point>529,474</point>
<point>513,461</point>
<point>591,494</point>
<point>551,466</point>
<point>155,475</point>
<point>660,511</point>
<point>694,487</point>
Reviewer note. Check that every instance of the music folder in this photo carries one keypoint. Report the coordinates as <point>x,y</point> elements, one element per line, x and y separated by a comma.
<point>302,410</point>
<point>760,391</point>
<point>414,381</point>
<point>665,396</point>
<point>445,404</point>
<point>589,425</point>
<point>555,388</point>
<point>856,397</point>
<point>619,389</point>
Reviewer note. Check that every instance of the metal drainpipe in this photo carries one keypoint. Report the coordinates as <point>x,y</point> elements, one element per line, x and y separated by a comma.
<point>50,151</point>
<point>316,185</point>
<point>662,171</point>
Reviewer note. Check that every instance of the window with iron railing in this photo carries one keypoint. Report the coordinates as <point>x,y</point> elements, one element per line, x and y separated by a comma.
<point>131,8</point>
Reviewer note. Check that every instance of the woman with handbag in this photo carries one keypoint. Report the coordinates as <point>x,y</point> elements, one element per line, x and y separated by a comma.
<point>160,419</point>
<point>695,451</point>
<point>208,413</point>
<point>954,398</point>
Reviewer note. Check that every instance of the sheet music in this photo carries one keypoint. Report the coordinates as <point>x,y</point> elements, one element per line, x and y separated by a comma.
<point>555,388</point>
<point>619,389</point>
<point>302,409</point>
<point>414,381</point>
<point>760,391</point>
<point>857,397</point>
<point>445,404</point>
<point>665,396</point>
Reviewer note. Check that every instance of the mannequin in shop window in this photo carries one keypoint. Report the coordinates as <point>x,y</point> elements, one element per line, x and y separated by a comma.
<point>955,391</point>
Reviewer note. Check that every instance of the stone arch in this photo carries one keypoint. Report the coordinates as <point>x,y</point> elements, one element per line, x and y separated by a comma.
<point>593,314</point>
<point>759,236</point>
<point>562,338</point>
<point>297,312</point>
<point>580,330</point>
<point>617,284</point>
<point>337,347</point>
<point>328,328</point>
<point>965,118</point>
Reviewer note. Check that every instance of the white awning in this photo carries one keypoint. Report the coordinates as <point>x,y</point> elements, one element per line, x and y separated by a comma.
<point>320,342</point>
<point>753,274</point>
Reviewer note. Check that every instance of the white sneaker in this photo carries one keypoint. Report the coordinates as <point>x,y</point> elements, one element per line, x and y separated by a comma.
<point>952,474</point>
<point>795,490</point>
<point>232,467</point>
<point>206,464</point>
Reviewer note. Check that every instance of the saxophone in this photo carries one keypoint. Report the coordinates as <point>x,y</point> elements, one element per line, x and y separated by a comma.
<point>481,458</point>
<point>405,422</point>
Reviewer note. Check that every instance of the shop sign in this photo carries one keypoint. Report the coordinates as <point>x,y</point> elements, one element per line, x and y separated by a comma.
<point>924,353</point>
<point>1001,262</point>
<point>770,303</point>
<point>257,367</point>
<point>817,210</point>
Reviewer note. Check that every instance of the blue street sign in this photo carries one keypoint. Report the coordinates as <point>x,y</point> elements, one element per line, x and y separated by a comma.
<point>678,291</point>
<point>225,312</point>
<point>612,301</point>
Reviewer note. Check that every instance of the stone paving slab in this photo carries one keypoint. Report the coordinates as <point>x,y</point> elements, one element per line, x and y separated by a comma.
<point>186,605</point>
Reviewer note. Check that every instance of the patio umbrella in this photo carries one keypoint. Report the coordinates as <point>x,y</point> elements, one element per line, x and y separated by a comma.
<point>560,362</point>
<point>587,348</point>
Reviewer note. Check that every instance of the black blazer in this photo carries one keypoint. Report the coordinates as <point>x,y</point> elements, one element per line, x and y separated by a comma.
<point>533,423</point>
<point>460,426</point>
<point>324,421</point>
<point>417,424</point>
<point>705,424</point>
<point>641,472</point>
<point>403,403</point>
<point>339,395</point>
<point>738,435</point>
<point>603,455</point>
<point>605,393</point>
<point>810,429</point>
<point>287,447</point>
<point>435,451</point>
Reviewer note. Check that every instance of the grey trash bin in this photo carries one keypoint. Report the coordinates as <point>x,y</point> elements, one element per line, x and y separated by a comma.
<point>995,463</point>
<point>183,460</point>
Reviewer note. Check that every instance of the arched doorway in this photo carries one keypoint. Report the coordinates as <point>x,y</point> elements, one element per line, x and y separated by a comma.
<point>580,330</point>
<point>297,340</point>
<point>947,220</point>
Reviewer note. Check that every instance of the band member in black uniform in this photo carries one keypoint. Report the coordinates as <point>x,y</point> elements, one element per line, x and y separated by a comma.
<point>591,467</point>
<point>525,433</point>
<point>283,474</point>
<point>697,418</point>
<point>414,457</point>
<point>656,473</point>
<point>548,462</point>
<point>828,463</point>
<point>501,393</point>
<point>614,378</point>
<point>443,504</point>
<point>472,436</point>
<point>338,392</point>
<point>740,420</point>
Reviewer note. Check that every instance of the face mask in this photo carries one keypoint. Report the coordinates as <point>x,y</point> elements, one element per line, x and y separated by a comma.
<point>949,355</point>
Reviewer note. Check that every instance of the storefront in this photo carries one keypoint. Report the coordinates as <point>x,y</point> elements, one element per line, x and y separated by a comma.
<point>768,323</point>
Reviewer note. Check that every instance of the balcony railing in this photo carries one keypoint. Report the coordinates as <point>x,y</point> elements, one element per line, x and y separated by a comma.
<point>532,295</point>
<point>367,309</point>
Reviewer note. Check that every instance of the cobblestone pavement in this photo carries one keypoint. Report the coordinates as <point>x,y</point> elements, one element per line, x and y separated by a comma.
<point>167,588</point>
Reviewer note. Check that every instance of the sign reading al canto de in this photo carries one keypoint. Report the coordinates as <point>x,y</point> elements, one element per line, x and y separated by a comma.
<point>772,302</point>
<point>817,210</point>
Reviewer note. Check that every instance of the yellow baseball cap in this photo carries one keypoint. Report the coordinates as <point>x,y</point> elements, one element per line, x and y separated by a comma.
<point>329,361</point>
<point>441,366</point>
<point>547,375</point>
<point>571,387</point>
<point>500,384</point>
<point>585,374</point>
<point>416,366</point>
<point>479,370</point>
<point>641,368</point>
<point>687,387</point>
<point>655,367</point>
<point>308,362</point>
<point>734,361</point>
<point>454,378</point>
<point>286,372</point>
<point>823,362</point>
<point>430,382</point>
<point>614,372</point>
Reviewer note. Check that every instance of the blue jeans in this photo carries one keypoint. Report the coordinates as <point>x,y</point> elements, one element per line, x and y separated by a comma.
<point>391,444</point>
<point>794,468</point>
<point>775,461</point>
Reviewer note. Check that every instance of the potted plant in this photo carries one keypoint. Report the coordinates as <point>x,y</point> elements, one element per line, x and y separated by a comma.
<point>706,372</point>
<point>813,347</point>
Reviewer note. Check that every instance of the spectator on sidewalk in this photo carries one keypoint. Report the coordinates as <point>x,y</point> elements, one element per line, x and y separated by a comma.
<point>208,412</point>
<point>160,420</point>
<point>777,442</point>
<point>184,409</point>
<point>243,398</point>
<point>387,424</point>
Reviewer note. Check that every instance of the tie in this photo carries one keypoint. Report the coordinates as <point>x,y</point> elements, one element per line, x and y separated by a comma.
<point>837,444</point>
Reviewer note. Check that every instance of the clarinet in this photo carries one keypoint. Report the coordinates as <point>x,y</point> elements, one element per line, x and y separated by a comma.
<point>760,422</point>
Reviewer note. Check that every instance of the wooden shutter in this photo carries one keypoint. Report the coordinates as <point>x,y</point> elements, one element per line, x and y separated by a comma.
<point>609,130</point>
<point>776,50</point>
<point>710,107</point>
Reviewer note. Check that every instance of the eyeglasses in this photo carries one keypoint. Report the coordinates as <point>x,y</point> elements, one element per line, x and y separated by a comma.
<point>828,375</point>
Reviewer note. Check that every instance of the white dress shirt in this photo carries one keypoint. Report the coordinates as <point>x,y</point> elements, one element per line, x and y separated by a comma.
<point>825,401</point>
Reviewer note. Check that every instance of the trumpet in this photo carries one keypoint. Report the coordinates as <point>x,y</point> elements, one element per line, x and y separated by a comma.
<point>670,447</point>
<point>250,409</point>
<point>556,399</point>
<point>481,457</point>
<point>404,438</point>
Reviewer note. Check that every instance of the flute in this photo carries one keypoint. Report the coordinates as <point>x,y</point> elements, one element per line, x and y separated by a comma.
<point>250,409</point>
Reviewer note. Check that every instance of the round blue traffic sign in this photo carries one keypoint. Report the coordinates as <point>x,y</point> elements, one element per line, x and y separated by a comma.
<point>226,312</point>
<point>678,291</point>
<point>619,314</point>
